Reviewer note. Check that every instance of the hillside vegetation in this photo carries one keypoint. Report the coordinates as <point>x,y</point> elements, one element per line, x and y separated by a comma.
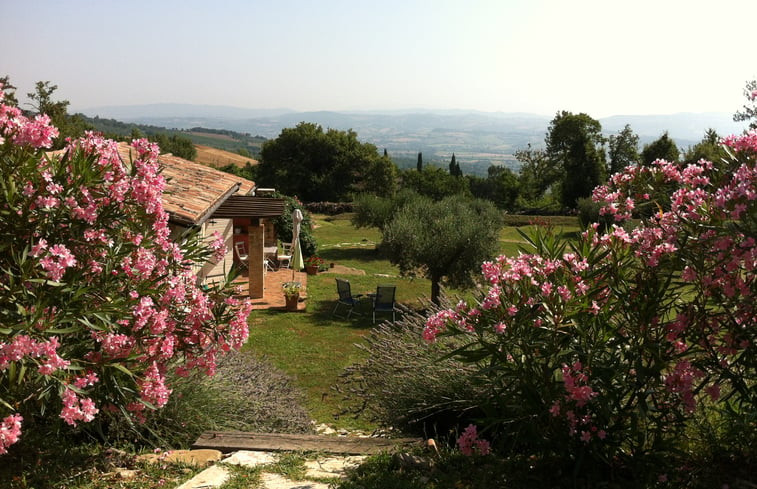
<point>231,141</point>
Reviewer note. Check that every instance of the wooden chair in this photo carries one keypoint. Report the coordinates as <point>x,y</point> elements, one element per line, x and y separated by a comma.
<point>242,254</point>
<point>345,297</point>
<point>383,301</point>
<point>285,258</point>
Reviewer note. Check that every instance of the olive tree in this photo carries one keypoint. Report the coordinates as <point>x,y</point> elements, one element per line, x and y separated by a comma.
<point>444,241</point>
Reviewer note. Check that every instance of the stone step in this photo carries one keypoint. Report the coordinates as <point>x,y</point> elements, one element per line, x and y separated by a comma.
<point>231,441</point>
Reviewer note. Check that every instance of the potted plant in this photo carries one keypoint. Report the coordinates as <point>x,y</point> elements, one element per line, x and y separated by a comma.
<point>313,264</point>
<point>291,294</point>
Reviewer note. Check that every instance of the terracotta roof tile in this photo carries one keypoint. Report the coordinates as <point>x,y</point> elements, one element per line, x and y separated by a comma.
<point>193,191</point>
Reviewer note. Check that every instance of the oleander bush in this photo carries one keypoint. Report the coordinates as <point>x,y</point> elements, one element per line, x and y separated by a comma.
<point>606,352</point>
<point>99,305</point>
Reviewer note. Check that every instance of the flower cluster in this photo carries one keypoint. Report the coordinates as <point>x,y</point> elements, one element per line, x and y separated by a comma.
<point>469,443</point>
<point>25,346</point>
<point>10,432</point>
<point>291,289</point>
<point>76,409</point>
<point>314,261</point>
<point>217,246</point>
<point>36,132</point>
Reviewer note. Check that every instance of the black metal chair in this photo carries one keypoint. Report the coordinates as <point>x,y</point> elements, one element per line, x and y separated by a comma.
<point>345,297</point>
<point>383,301</point>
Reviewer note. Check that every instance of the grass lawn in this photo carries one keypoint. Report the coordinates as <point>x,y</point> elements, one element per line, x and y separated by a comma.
<point>314,346</point>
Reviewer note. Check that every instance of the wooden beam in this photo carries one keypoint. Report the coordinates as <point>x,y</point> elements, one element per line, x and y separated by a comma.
<point>230,441</point>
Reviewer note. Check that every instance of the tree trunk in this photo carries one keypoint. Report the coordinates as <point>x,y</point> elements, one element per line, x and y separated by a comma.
<point>435,290</point>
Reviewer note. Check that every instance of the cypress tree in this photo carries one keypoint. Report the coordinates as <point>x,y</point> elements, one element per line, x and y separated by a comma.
<point>454,167</point>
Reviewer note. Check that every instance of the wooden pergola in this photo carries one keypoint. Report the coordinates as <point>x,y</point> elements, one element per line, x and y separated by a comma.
<point>255,209</point>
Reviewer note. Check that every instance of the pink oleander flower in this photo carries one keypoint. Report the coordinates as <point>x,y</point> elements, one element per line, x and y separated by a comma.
<point>218,246</point>
<point>564,293</point>
<point>10,430</point>
<point>681,382</point>
<point>470,444</point>
<point>86,380</point>
<point>76,409</point>
<point>56,261</point>
<point>37,132</point>
<point>492,299</point>
<point>153,388</point>
<point>576,384</point>
<point>438,323</point>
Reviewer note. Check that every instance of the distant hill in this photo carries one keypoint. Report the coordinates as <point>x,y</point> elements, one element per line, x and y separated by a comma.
<point>478,139</point>
<point>217,138</point>
<point>685,128</point>
<point>132,113</point>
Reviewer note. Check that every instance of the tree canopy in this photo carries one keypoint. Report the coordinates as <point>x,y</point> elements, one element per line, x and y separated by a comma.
<point>708,148</point>
<point>434,182</point>
<point>501,187</point>
<point>750,108</point>
<point>318,165</point>
<point>454,167</point>
<point>176,145</point>
<point>575,144</point>
<point>537,174</point>
<point>663,148</point>
<point>70,126</point>
<point>444,241</point>
<point>624,149</point>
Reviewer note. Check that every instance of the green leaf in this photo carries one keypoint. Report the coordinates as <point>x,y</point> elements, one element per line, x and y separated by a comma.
<point>21,375</point>
<point>2,402</point>
<point>123,369</point>
<point>68,330</point>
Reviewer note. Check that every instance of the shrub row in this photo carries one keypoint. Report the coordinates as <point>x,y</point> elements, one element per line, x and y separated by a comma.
<point>329,208</point>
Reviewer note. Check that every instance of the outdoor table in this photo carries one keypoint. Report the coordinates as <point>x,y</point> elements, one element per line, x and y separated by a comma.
<point>270,250</point>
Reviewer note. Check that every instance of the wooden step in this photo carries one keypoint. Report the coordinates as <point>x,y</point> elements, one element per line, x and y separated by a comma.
<point>230,441</point>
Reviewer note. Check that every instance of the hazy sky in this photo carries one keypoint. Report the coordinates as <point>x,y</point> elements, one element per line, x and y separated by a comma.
<point>602,57</point>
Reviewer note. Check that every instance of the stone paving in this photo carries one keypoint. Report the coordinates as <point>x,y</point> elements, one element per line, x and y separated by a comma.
<point>323,467</point>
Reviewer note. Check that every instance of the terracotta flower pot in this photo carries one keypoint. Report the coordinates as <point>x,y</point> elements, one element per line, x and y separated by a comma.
<point>291,302</point>
<point>311,269</point>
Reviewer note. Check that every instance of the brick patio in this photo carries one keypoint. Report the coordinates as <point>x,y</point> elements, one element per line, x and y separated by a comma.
<point>273,297</point>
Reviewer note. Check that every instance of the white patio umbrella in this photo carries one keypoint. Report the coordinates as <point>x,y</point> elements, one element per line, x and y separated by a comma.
<point>297,261</point>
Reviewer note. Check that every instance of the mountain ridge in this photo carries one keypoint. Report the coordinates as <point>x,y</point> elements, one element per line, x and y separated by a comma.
<point>477,138</point>
<point>688,126</point>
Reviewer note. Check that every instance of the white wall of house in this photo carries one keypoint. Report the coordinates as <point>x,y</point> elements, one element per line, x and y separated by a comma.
<point>215,271</point>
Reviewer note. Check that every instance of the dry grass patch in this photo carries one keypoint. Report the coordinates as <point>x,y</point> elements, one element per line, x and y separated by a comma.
<point>218,157</point>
